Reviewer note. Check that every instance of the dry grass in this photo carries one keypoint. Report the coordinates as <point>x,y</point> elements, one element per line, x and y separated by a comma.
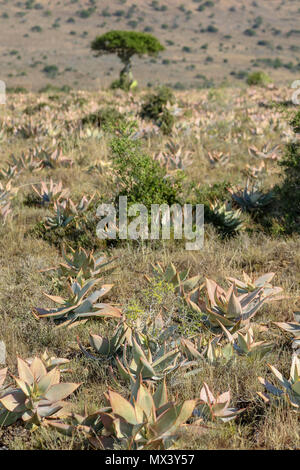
<point>23,257</point>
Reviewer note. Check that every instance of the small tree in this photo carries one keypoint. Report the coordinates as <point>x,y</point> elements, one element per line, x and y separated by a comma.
<point>126,44</point>
<point>289,190</point>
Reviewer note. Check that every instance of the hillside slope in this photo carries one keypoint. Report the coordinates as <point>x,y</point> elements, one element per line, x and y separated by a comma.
<point>206,42</point>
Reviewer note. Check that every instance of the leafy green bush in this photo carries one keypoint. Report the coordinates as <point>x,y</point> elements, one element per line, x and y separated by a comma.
<point>104,117</point>
<point>289,191</point>
<point>155,108</point>
<point>141,178</point>
<point>295,123</point>
<point>258,78</point>
<point>50,70</point>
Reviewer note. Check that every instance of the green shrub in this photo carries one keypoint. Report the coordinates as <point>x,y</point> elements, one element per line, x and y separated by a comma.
<point>155,108</point>
<point>36,29</point>
<point>295,123</point>
<point>289,190</point>
<point>141,178</point>
<point>104,117</point>
<point>50,70</point>
<point>258,78</point>
<point>249,32</point>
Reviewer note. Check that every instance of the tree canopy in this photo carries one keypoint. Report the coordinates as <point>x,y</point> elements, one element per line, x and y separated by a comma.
<point>126,44</point>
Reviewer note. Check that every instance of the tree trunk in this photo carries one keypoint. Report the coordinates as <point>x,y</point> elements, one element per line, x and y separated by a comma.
<point>125,74</point>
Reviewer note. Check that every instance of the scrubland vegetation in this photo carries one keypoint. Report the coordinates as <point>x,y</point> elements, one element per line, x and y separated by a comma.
<point>143,344</point>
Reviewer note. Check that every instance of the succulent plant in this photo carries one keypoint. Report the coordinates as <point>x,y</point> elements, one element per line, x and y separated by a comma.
<point>254,173</point>
<point>53,193</point>
<point>226,219</point>
<point>38,397</point>
<point>30,129</point>
<point>28,162</point>
<point>63,215</point>
<point>218,158</point>
<point>245,345</point>
<point>179,279</point>
<point>267,152</point>
<point>226,308</point>
<point>82,263</point>
<point>293,329</point>
<point>291,387</point>
<point>80,305</point>
<point>251,199</point>
<point>9,173</point>
<point>82,206</point>
<point>50,362</point>
<point>148,420</point>
<point>250,285</point>
<point>89,425</point>
<point>174,158</point>
<point>53,158</point>
<point>141,362</point>
<point>66,211</point>
<point>204,351</point>
<point>212,408</point>
<point>91,133</point>
<point>107,347</point>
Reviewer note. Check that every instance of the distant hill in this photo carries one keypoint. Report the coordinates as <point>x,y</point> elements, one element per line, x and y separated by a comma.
<point>207,42</point>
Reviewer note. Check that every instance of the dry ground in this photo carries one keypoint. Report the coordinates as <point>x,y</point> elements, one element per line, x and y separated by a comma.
<point>35,35</point>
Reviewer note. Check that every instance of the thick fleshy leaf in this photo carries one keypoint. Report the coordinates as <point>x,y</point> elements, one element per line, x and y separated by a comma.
<point>38,369</point>
<point>285,383</point>
<point>295,369</point>
<point>101,345</point>
<point>26,389</point>
<point>165,361</point>
<point>262,280</point>
<point>174,417</point>
<point>25,372</point>
<point>211,289</point>
<point>49,380</point>
<point>147,370</point>
<point>270,388</point>
<point>234,306</point>
<point>206,395</point>
<point>137,352</point>
<point>121,407</point>
<point>60,391</point>
<point>3,373</point>
<point>125,373</point>
<point>145,401</point>
<point>296,388</point>
<point>190,350</point>
<point>55,298</point>
<point>160,396</point>
<point>170,272</point>
<point>293,328</point>
<point>14,401</point>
